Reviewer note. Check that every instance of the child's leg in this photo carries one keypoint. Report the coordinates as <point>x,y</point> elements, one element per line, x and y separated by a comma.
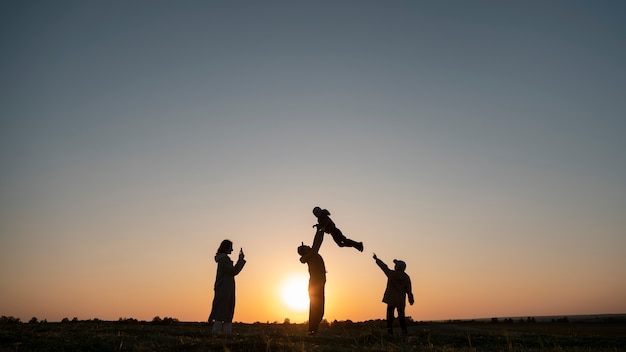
<point>343,241</point>
<point>390,309</point>
<point>402,319</point>
<point>338,237</point>
<point>217,327</point>
<point>350,243</point>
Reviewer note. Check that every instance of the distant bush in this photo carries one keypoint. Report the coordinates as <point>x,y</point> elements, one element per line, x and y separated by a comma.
<point>9,320</point>
<point>345,324</point>
<point>127,321</point>
<point>165,321</point>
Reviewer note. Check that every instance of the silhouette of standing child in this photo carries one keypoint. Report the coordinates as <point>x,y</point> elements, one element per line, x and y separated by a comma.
<point>398,286</point>
<point>326,225</point>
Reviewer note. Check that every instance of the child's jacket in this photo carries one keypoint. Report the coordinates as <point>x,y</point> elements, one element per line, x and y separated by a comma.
<point>398,286</point>
<point>324,222</point>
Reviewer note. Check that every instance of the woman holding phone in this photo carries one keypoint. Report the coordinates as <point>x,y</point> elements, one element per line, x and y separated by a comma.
<point>224,300</point>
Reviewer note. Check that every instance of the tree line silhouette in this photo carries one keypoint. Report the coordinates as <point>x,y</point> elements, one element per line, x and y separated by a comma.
<point>7,320</point>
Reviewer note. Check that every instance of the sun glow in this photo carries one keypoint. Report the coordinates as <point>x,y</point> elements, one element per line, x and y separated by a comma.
<point>294,293</point>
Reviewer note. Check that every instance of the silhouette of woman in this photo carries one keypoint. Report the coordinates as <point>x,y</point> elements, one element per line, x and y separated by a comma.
<point>224,300</point>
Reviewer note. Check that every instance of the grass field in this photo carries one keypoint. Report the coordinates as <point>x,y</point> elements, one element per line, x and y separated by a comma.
<point>339,336</point>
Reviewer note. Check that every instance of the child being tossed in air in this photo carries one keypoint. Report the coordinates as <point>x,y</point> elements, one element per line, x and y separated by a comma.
<point>326,225</point>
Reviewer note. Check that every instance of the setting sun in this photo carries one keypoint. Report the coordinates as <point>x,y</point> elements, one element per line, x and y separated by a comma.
<point>294,293</point>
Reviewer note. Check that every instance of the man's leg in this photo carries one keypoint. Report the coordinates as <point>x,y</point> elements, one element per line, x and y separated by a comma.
<point>316,306</point>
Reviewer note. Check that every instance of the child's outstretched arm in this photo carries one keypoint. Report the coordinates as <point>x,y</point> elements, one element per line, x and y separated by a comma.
<point>382,265</point>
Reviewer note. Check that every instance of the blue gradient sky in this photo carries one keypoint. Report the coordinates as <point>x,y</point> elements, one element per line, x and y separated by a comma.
<point>481,142</point>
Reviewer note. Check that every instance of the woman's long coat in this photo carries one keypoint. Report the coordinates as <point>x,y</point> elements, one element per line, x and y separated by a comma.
<point>224,300</point>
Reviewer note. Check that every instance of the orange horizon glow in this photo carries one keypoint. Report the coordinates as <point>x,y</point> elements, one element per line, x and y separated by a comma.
<point>353,292</point>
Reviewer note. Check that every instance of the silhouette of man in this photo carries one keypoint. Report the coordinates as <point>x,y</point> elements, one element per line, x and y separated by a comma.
<point>317,281</point>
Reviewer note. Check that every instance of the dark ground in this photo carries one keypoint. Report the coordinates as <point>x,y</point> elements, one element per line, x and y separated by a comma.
<point>131,335</point>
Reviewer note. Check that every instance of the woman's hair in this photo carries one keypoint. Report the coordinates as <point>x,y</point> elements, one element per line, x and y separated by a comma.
<point>225,246</point>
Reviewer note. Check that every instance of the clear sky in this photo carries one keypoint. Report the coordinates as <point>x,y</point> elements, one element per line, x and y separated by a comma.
<point>481,142</point>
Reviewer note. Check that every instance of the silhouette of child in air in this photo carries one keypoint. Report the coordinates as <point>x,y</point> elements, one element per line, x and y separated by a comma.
<point>398,286</point>
<point>326,225</point>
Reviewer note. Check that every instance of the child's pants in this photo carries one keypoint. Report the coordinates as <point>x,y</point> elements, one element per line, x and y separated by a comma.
<point>401,318</point>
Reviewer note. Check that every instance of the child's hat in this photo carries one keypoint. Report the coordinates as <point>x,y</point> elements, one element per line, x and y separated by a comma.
<point>401,265</point>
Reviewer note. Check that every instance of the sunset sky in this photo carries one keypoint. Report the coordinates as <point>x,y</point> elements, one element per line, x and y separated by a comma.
<point>482,142</point>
